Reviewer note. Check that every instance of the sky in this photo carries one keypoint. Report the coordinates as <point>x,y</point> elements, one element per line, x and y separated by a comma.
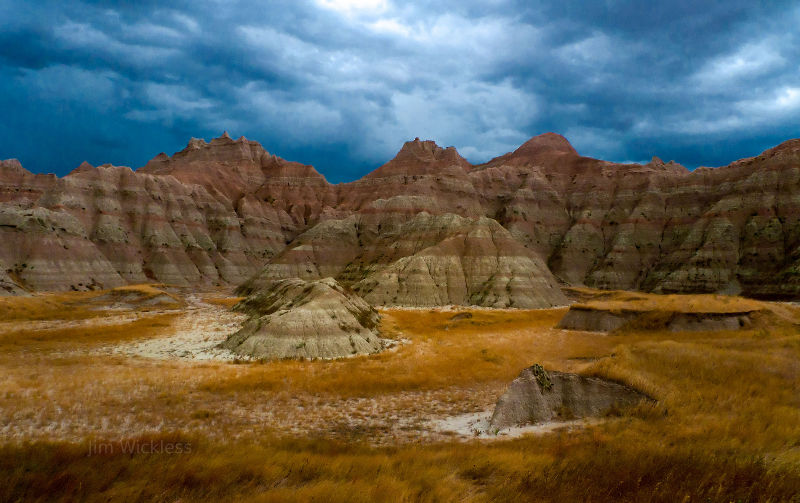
<point>342,84</point>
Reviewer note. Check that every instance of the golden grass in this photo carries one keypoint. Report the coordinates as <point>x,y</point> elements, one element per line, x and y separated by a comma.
<point>63,306</point>
<point>70,306</point>
<point>490,347</point>
<point>73,337</point>
<point>637,301</point>
<point>726,426</point>
<point>144,292</point>
<point>149,290</point>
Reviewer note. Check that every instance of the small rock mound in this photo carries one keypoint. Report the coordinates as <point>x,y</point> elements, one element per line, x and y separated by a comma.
<point>294,318</point>
<point>537,395</point>
<point>592,320</point>
<point>617,311</point>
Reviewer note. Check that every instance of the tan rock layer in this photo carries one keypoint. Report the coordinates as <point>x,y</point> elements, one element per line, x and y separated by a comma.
<point>293,318</point>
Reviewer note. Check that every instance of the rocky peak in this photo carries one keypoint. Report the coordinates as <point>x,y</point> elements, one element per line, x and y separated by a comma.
<point>228,208</point>
<point>787,149</point>
<point>225,139</point>
<point>657,163</point>
<point>419,157</point>
<point>196,144</point>
<point>544,149</point>
<point>85,167</point>
<point>12,166</point>
<point>219,150</point>
<point>426,150</point>
<point>547,142</point>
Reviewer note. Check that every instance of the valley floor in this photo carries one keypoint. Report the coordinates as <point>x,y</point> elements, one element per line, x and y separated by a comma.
<point>92,399</point>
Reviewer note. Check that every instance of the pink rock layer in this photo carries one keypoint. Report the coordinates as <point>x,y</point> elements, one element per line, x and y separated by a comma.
<point>425,228</point>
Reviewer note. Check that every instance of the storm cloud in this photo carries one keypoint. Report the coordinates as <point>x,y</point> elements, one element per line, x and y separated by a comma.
<point>341,84</point>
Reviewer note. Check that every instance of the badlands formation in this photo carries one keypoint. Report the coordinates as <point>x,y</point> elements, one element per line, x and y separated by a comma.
<point>624,311</point>
<point>311,319</point>
<point>538,395</point>
<point>427,228</point>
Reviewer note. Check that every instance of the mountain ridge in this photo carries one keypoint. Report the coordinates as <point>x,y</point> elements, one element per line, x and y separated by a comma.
<point>219,212</point>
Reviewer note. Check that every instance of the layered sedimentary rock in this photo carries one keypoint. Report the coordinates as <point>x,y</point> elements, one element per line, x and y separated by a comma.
<point>218,212</point>
<point>593,320</point>
<point>8,286</point>
<point>538,395</point>
<point>427,260</point>
<point>466,262</point>
<point>211,214</point>
<point>619,311</point>
<point>293,318</point>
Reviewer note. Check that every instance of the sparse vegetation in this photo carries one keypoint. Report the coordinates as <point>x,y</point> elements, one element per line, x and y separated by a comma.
<point>725,427</point>
<point>542,378</point>
<point>708,303</point>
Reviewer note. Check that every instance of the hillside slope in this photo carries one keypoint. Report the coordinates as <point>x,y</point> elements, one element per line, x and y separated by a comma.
<point>222,211</point>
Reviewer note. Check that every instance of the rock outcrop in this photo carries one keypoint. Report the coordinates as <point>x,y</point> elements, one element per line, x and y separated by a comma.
<point>442,260</point>
<point>678,313</point>
<point>427,260</point>
<point>217,212</point>
<point>538,395</point>
<point>293,318</point>
<point>593,320</point>
<point>8,286</point>
<point>211,214</point>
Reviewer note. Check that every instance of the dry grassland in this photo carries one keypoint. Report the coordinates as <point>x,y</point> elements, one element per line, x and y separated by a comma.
<point>726,426</point>
<point>637,301</point>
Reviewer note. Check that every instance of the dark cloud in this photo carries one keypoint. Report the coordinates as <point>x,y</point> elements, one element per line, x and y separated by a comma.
<point>341,84</point>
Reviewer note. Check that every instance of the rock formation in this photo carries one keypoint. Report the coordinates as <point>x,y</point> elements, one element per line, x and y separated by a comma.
<point>427,260</point>
<point>677,313</point>
<point>593,320</point>
<point>217,212</point>
<point>441,260</point>
<point>537,395</point>
<point>294,318</point>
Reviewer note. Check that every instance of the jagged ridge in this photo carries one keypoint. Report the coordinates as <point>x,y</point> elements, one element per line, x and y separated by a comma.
<point>218,212</point>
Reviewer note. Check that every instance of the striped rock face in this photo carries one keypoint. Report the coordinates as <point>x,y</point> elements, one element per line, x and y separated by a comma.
<point>294,318</point>
<point>426,228</point>
<point>538,396</point>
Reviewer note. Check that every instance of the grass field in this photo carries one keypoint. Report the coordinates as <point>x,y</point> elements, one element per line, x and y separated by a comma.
<point>79,423</point>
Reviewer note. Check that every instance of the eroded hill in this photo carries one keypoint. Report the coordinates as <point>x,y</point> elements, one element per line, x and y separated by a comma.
<point>425,228</point>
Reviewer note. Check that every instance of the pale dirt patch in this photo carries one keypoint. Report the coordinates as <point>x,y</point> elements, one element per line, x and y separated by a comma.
<point>476,425</point>
<point>197,333</point>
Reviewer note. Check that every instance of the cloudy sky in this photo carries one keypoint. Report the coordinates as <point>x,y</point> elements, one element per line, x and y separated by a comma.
<point>341,84</point>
